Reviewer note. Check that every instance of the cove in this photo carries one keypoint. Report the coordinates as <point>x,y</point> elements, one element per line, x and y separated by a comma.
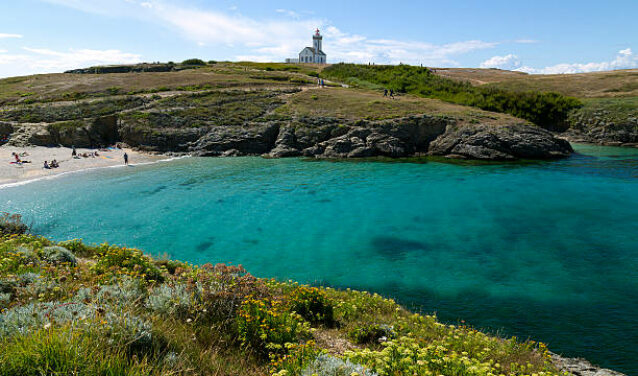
<point>546,250</point>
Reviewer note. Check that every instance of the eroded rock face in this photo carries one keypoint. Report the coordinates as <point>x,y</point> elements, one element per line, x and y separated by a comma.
<point>311,137</point>
<point>6,130</point>
<point>253,139</point>
<point>518,141</point>
<point>623,133</point>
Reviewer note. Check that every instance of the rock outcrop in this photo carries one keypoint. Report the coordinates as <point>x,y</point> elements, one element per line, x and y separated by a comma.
<point>510,142</point>
<point>310,137</point>
<point>604,128</point>
<point>252,139</point>
<point>581,367</point>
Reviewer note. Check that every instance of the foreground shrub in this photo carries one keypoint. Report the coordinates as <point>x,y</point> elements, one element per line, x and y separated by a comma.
<point>172,300</point>
<point>312,304</point>
<point>12,224</point>
<point>295,360</point>
<point>78,248</point>
<point>328,365</point>
<point>266,326</point>
<point>66,352</point>
<point>370,333</point>
<point>58,255</point>
<point>111,260</point>
<point>406,357</point>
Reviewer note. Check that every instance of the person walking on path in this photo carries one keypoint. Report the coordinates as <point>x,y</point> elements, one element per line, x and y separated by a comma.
<point>385,92</point>
<point>392,93</point>
<point>125,159</point>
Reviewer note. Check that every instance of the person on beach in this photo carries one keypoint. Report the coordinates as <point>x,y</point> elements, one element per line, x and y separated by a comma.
<point>46,165</point>
<point>125,158</point>
<point>54,164</point>
<point>17,157</point>
<point>74,153</point>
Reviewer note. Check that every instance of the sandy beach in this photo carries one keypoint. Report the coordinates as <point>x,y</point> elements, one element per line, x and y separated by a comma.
<point>14,173</point>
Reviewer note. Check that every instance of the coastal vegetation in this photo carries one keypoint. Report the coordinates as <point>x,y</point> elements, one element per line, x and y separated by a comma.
<point>72,308</point>
<point>546,109</point>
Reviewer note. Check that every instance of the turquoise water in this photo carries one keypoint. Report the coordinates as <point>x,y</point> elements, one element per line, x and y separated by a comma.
<point>547,251</point>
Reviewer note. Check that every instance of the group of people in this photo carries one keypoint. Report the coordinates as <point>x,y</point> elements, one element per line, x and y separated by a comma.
<point>320,82</point>
<point>92,154</point>
<point>53,164</point>
<point>19,160</point>
<point>391,92</point>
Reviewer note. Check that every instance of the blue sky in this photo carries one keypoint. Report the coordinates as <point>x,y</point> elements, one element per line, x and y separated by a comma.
<point>558,36</point>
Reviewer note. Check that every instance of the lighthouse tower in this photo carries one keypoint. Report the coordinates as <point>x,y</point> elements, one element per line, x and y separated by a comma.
<point>313,54</point>
<point>316,40</point>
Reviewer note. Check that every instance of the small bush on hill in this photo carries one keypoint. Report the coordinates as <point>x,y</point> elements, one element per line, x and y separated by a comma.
<point>193,62</point>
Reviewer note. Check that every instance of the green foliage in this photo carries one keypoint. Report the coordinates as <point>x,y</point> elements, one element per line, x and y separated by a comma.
<point>370,333</point>
<point>50,113</point>
<point>328,365</point>
<point>111,260</point>
<point>312,304</point>
<point>12,224</point>
<point>58,255</point>
<point>193,62</point>
<point>110,315</point>
<point>546,109</point>
<point>78,247</point>
<point>266,326</point>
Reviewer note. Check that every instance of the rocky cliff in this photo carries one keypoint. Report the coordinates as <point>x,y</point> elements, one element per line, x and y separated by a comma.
<point>310,137</point>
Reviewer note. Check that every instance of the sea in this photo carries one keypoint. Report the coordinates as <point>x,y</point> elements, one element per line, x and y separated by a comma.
<point>538,250</point>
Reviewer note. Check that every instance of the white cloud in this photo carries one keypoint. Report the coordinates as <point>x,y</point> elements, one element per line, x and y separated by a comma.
<point>275,39</point>
<point>526,41</point>
<point>625,59</point>
<point>42,60</point>
<point>289,13</point>
<point>507,62</point>
<point>3,51</point>
<point>4,36</point>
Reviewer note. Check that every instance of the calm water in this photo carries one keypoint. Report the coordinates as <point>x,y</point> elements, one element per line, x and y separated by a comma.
<point>547,251</point>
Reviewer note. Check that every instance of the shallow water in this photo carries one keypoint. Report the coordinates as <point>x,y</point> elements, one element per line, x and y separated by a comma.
<point>545,250</point>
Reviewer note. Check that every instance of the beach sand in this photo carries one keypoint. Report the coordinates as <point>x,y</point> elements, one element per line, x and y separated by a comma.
<point>14,173</point>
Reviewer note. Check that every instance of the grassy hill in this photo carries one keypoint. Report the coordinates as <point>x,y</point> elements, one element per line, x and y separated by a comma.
<point>72,308</point>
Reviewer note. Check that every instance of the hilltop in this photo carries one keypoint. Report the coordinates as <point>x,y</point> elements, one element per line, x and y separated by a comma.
<point>278,110</point>
<point>609,114</point>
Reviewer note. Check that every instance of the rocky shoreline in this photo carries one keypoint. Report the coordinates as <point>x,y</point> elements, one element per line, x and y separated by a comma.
<point>311,137</point>
<point>581,367</point>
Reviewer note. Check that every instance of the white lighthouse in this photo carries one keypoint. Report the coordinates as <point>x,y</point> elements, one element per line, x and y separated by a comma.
<point>313,54</point>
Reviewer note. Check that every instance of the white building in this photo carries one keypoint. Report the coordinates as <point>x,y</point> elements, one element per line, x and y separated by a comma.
<point>313,54</point>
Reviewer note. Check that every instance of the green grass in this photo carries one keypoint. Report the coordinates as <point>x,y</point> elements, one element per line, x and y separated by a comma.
<point>117,311</point>
<point>545,109</point>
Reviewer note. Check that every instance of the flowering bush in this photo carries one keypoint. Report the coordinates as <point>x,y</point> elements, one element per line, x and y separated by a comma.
<point>295,359</point>
<point>266,325</point>
<point>111,260</point>
<point>312,304</point>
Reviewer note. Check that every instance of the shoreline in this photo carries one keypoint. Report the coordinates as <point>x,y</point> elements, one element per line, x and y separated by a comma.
<point>13,175</point>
